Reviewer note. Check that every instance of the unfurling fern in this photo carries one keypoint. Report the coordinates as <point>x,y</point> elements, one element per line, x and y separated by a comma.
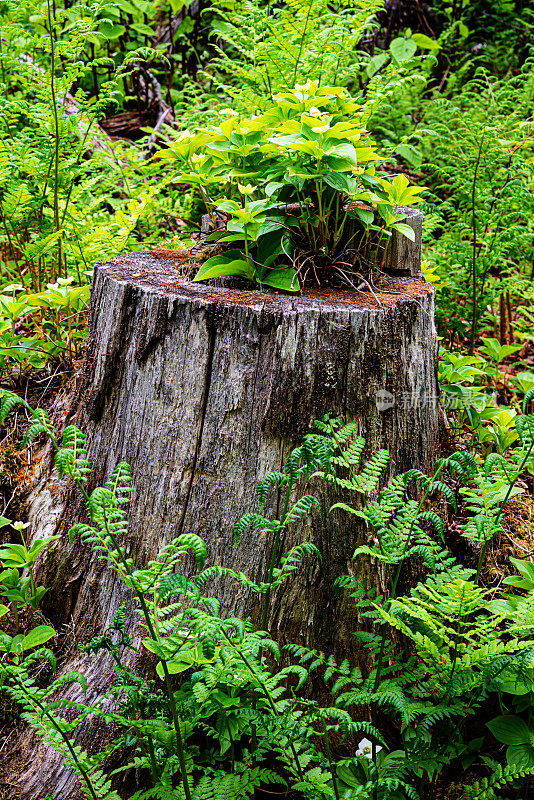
<point>71,458</point>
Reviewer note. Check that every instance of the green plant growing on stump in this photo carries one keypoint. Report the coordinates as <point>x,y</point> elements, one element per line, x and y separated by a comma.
<point>300,189</point>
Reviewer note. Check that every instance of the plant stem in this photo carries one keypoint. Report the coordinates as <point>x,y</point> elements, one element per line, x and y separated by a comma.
<point>302,38</point>
<point>394,582</point>
<point>274,553</point>
<point>168,684</point>
<point>56,136</point>
<point>267,695</point>
<point>152,632</point>
<point>474,257</point>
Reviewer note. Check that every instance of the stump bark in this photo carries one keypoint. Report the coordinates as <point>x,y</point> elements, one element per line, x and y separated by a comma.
<point>204,390</point>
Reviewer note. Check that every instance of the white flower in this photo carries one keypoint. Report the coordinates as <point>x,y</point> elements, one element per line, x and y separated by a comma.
<point>365,748</point>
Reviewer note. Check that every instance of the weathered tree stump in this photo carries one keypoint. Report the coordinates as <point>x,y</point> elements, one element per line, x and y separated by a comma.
<point>203,390</point>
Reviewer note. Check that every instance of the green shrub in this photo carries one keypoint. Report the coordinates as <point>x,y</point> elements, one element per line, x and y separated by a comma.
<point>299,186</point>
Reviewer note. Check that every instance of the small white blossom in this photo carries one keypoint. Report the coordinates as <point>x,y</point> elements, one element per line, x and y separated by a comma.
<point>365,748</point>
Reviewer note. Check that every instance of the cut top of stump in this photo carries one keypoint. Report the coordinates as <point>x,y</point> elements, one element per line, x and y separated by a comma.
<point>159,271</point>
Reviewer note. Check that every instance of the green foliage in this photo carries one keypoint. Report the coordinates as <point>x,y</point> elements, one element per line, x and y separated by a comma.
<point>232,695</point>
<point>52,323</point>
<point>269,48</point>
<point>490,484</point>
<point>287,180</point>
<point>479,148</point>
<point>17,583</point>
<point>48,185</point>
<point>466,645</point>
<point>284,167</point>
<point>487,788</point>
<point>514,732</point>
<point>347,452</point>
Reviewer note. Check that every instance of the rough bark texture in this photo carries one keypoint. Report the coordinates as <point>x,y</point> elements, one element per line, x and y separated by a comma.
<point>203,390</point>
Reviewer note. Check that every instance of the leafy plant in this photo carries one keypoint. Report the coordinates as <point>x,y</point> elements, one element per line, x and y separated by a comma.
<point>478,143</point>
<point>496,351</point>
<point>311,194</point>
<point>16,559</point>
<point>514,732</point>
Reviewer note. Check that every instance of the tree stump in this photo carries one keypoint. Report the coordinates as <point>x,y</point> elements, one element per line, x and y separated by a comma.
<point>204,390</point>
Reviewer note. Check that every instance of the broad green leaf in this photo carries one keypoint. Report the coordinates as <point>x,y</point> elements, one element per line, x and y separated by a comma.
<point>345,151</point>
<point>284,141</point>
<point>402,49</point>
<point>229,206</point>
<point>510,729</point>
<point>425,42</point>
<point>463,30</point>
<point>525,381</point>
<point>507,350</point>
<point>174,667</point>
<point>494,350</point>
<point>37,636</point>
<point>39,545</point>
<point>406,230</point>
<point>111,31</point>
<point>514,686</point>
<point>13,555</point>
<point>348,775</point>
<point>366,216</point>
<point>228,125</point>
<point>273,244</point>
<point>341,182</point>
<point>124,5</point>
<point>411,154</point>
<point>140,27</point>
<point>233,237</point>
<point>285,279</point>
<point>223,265</point>
<point>376,63</point>
<point>272,187</point>
<point>187,659</point>
<point>521,756</point>
<point>523,566</point>
<point>187,26</point>
<point>3,610</point>
<point>270,225</point>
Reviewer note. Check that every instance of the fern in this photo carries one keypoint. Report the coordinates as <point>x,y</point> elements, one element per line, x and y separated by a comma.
<point>345,453</point>
<point>487,788</point>
<point>460,645</point>
<point>53,729</point>
<point>71,458</point>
